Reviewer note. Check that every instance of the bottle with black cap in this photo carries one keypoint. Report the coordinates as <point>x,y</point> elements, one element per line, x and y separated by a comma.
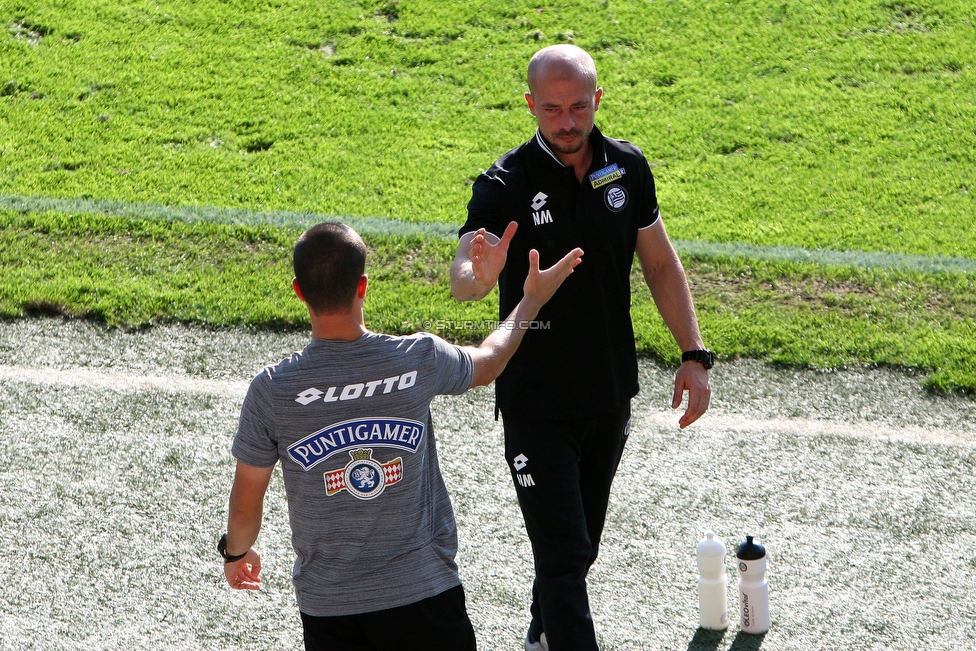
<point>753,589</point>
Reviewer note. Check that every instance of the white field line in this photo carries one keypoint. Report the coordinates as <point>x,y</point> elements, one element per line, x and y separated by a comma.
<point>729,423</point>
<point>123,382</point>
<point>381,226</point>
<point>715,423</point>
<point>216,214</point>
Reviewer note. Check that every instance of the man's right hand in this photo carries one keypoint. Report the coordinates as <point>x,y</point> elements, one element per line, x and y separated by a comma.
<point>480,259</point>
<point>488,259</point>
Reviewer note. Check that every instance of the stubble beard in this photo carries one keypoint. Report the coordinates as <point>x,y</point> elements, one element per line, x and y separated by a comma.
<point>568,149</point>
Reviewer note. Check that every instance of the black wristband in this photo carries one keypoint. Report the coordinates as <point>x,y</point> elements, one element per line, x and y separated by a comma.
<point>222,548</point>
<point>705,357</point>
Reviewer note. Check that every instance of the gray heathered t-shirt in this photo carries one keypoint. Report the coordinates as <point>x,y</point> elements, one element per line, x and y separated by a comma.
<point>372,524</point>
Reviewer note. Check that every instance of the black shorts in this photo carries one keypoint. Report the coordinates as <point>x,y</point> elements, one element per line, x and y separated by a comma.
<point>439,622</point>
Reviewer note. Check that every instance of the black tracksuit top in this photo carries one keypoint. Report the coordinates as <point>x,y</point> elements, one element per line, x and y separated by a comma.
<point>578,358</point>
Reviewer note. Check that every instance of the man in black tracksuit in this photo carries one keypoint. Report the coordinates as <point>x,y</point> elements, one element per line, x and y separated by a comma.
<point>565,395</point>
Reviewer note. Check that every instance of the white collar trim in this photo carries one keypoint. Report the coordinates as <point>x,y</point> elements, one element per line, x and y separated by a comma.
<point>545,147</point>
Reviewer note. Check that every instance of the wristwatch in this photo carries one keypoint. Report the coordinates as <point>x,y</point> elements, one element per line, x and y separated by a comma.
<point>705,357</point>
<point>222,548</point>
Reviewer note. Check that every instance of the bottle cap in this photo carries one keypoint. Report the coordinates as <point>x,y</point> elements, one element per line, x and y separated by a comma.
<point>750,551</point>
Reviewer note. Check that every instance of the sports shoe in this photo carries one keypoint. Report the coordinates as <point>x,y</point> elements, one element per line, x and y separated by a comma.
<point>537,645</point>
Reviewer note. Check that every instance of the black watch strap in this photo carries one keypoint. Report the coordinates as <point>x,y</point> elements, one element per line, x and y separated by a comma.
<point>705,357</point>
<point>222,548</point>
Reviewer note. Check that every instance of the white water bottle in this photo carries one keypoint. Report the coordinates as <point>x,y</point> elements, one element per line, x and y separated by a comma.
<point>713,600</point>
<point>753,589</point>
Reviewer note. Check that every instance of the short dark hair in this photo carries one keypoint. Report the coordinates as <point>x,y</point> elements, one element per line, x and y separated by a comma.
<point>329,260</point>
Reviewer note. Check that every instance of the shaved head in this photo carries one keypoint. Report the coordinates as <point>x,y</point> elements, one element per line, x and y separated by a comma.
<point>563,96</point>
<point>561,63</point>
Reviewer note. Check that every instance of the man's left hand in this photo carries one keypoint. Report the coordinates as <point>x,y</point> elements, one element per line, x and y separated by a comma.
<point>693,378</point>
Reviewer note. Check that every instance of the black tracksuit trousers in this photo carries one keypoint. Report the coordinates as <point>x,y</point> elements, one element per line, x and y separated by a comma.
<point>563,471</point>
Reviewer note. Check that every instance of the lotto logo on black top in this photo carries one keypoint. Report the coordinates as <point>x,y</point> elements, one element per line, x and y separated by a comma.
<point>540,216</point>
<point>615,197</point>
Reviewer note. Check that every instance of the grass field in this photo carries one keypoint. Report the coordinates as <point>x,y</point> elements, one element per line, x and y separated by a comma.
<point>132,272</point>
<point>116,470</point>
<point>815,162</point>
<point>834,131</point>
<point>839,125</point>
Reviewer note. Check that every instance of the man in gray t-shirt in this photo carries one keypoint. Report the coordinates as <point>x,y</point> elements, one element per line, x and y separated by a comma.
<point>349,418</point>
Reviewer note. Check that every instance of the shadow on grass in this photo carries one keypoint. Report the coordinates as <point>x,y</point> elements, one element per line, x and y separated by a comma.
<point>706,640</point>
<point>747,642</point>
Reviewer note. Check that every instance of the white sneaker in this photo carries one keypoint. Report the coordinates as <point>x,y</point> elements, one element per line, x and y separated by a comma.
<point>540,645</point>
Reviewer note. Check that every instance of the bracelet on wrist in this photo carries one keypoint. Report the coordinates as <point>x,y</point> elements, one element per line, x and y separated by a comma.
<point>222,548</point>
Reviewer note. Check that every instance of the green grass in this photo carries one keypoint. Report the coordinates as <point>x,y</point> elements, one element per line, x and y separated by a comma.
<point>132,272</point>
<point>844,126</point>
<point>831,124</point>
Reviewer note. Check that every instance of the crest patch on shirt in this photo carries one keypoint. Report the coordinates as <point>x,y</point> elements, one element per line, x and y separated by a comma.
<point>615,197</point>
<point>609,173</point>
<point>364,477</point>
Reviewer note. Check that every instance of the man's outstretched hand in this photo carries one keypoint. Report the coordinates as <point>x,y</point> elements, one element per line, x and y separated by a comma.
<point>498,347</point>
<point>540,285</point>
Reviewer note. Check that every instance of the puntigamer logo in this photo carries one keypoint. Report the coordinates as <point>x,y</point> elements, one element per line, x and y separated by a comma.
<point>401,433</point>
